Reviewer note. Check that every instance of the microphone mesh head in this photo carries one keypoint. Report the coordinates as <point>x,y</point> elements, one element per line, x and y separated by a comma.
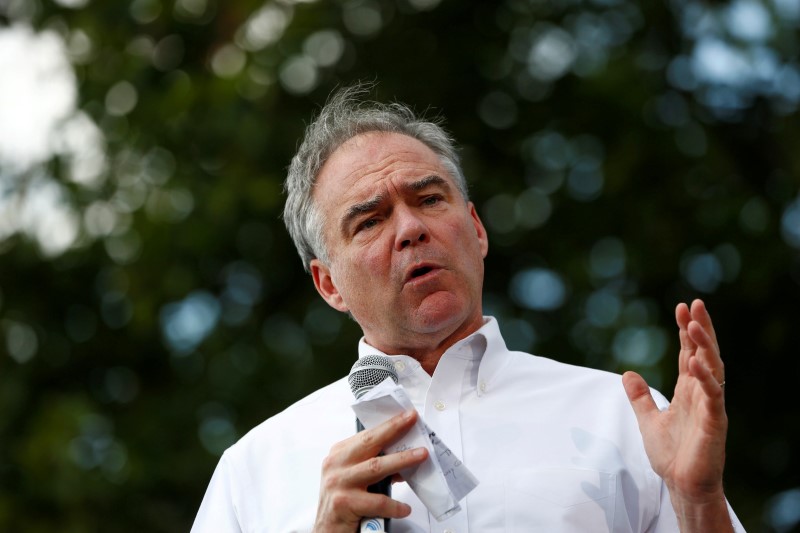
<point>369,371</point>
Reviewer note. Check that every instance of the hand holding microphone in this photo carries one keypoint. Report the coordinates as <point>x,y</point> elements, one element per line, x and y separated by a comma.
<point>354,464</point>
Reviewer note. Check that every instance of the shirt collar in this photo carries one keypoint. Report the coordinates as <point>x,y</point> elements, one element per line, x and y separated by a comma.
<point>486,346</point>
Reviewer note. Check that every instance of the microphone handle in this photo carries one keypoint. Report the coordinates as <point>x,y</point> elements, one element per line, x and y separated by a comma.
<point>383,486</point>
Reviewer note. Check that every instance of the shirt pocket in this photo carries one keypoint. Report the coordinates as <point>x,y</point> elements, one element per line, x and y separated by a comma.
<point>562,500</point>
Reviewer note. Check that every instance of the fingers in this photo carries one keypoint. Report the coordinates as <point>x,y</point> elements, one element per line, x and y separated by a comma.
<point>342,511</point>
<point>707,349</point>
<point>711,387</point>
<point>377,468</point>
<point>701,315</point>
<point>369,504</point>
<point>698,338</point>
<point>370,442</point>
<point>644,407</point>
<point>701,332</point>
<point>701,322</point>
<point>683,317</point>
<point>353,464</point>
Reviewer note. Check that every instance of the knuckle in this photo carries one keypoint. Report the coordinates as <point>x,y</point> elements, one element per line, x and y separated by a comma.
<point>328,462</point>
<point>391,508</point>
<point>329,483</point>
<point>367,438</point>
<point>340,500</point>
<point>401,420</point>
<point>374,465</point>
<point>331,480</point>
<point>412,455</point>
<point>384,506</point>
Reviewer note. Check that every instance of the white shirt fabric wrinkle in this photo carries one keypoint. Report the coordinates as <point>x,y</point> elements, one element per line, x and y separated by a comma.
<point>556,448</point>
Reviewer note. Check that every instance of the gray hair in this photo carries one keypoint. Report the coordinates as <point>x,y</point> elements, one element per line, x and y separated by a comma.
<point>345,116</point>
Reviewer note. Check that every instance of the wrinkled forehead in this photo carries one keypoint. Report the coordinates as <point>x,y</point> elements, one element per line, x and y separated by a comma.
<point>373,159</point>
<point>376,151</point>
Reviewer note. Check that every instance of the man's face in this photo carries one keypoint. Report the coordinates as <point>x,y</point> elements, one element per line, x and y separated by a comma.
<point>406,250</point>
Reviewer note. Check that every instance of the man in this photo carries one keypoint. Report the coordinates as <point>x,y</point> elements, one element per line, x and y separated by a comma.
<point>378,209</point>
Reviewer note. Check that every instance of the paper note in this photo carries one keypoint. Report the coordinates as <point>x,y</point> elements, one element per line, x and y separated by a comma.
<point>442,480</point>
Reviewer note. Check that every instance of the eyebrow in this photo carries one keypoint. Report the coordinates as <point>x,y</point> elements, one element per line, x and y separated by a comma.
<point>427,181</point>
<point>356,210</point>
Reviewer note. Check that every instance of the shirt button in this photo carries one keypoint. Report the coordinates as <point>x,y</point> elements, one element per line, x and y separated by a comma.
<point>399,366</point>
<point>439,405</point>
<point>483,386</point>
<point>448,531</point>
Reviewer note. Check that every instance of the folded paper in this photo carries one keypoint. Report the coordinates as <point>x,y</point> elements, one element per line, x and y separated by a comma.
<point>442,480</point>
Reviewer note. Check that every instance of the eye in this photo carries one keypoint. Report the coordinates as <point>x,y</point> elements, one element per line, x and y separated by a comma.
<point>367,224</point>
<point>431,200</point>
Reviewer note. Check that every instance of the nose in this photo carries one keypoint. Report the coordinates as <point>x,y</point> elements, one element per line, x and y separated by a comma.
<point>411,229</point>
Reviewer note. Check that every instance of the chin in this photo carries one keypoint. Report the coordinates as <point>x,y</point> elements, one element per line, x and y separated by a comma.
<point>438,312</point>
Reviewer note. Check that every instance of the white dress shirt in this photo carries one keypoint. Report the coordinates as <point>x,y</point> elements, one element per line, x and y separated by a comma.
<point>556,448</point>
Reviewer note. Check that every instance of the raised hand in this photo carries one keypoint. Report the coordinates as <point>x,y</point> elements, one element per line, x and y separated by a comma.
<point>352,465</point>
<point>686,442</point>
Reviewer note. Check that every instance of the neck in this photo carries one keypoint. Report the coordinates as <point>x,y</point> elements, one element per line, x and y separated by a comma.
<point>430,351</point>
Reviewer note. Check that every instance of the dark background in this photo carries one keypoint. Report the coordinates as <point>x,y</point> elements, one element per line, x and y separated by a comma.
<point>624,156</point>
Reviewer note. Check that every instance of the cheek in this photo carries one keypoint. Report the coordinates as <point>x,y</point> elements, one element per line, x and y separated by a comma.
<point>470,253</point>
<point>371,260</point>
<point>358,273</point>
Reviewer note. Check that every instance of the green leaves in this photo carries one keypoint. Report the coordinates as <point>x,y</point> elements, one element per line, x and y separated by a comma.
<point>152,309</point>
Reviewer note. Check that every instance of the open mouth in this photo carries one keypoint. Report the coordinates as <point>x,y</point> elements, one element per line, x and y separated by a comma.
<point>421,271</point>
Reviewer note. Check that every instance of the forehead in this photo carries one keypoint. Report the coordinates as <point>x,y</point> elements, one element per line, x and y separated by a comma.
<point>374,156</point>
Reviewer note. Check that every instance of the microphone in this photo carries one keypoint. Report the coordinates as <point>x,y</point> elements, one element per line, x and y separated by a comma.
<point>367,372</point>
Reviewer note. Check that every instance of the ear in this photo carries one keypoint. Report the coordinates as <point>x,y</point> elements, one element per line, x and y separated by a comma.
<point>323,282</point>
<point>483,239</point>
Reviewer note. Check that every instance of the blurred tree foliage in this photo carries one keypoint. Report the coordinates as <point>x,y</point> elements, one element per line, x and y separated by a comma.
<point>624,156</point>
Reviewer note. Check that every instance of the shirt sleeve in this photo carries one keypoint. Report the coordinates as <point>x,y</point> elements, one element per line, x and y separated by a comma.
<point>667,522</point>
<point>217,513</point>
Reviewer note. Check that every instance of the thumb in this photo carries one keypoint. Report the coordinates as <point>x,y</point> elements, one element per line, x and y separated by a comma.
<point>638,393</point>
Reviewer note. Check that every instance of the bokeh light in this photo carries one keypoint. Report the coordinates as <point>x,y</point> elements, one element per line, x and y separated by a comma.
<point>622,156</point>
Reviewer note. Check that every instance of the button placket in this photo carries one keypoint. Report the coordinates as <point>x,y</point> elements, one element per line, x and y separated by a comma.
<point>442,415</point>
